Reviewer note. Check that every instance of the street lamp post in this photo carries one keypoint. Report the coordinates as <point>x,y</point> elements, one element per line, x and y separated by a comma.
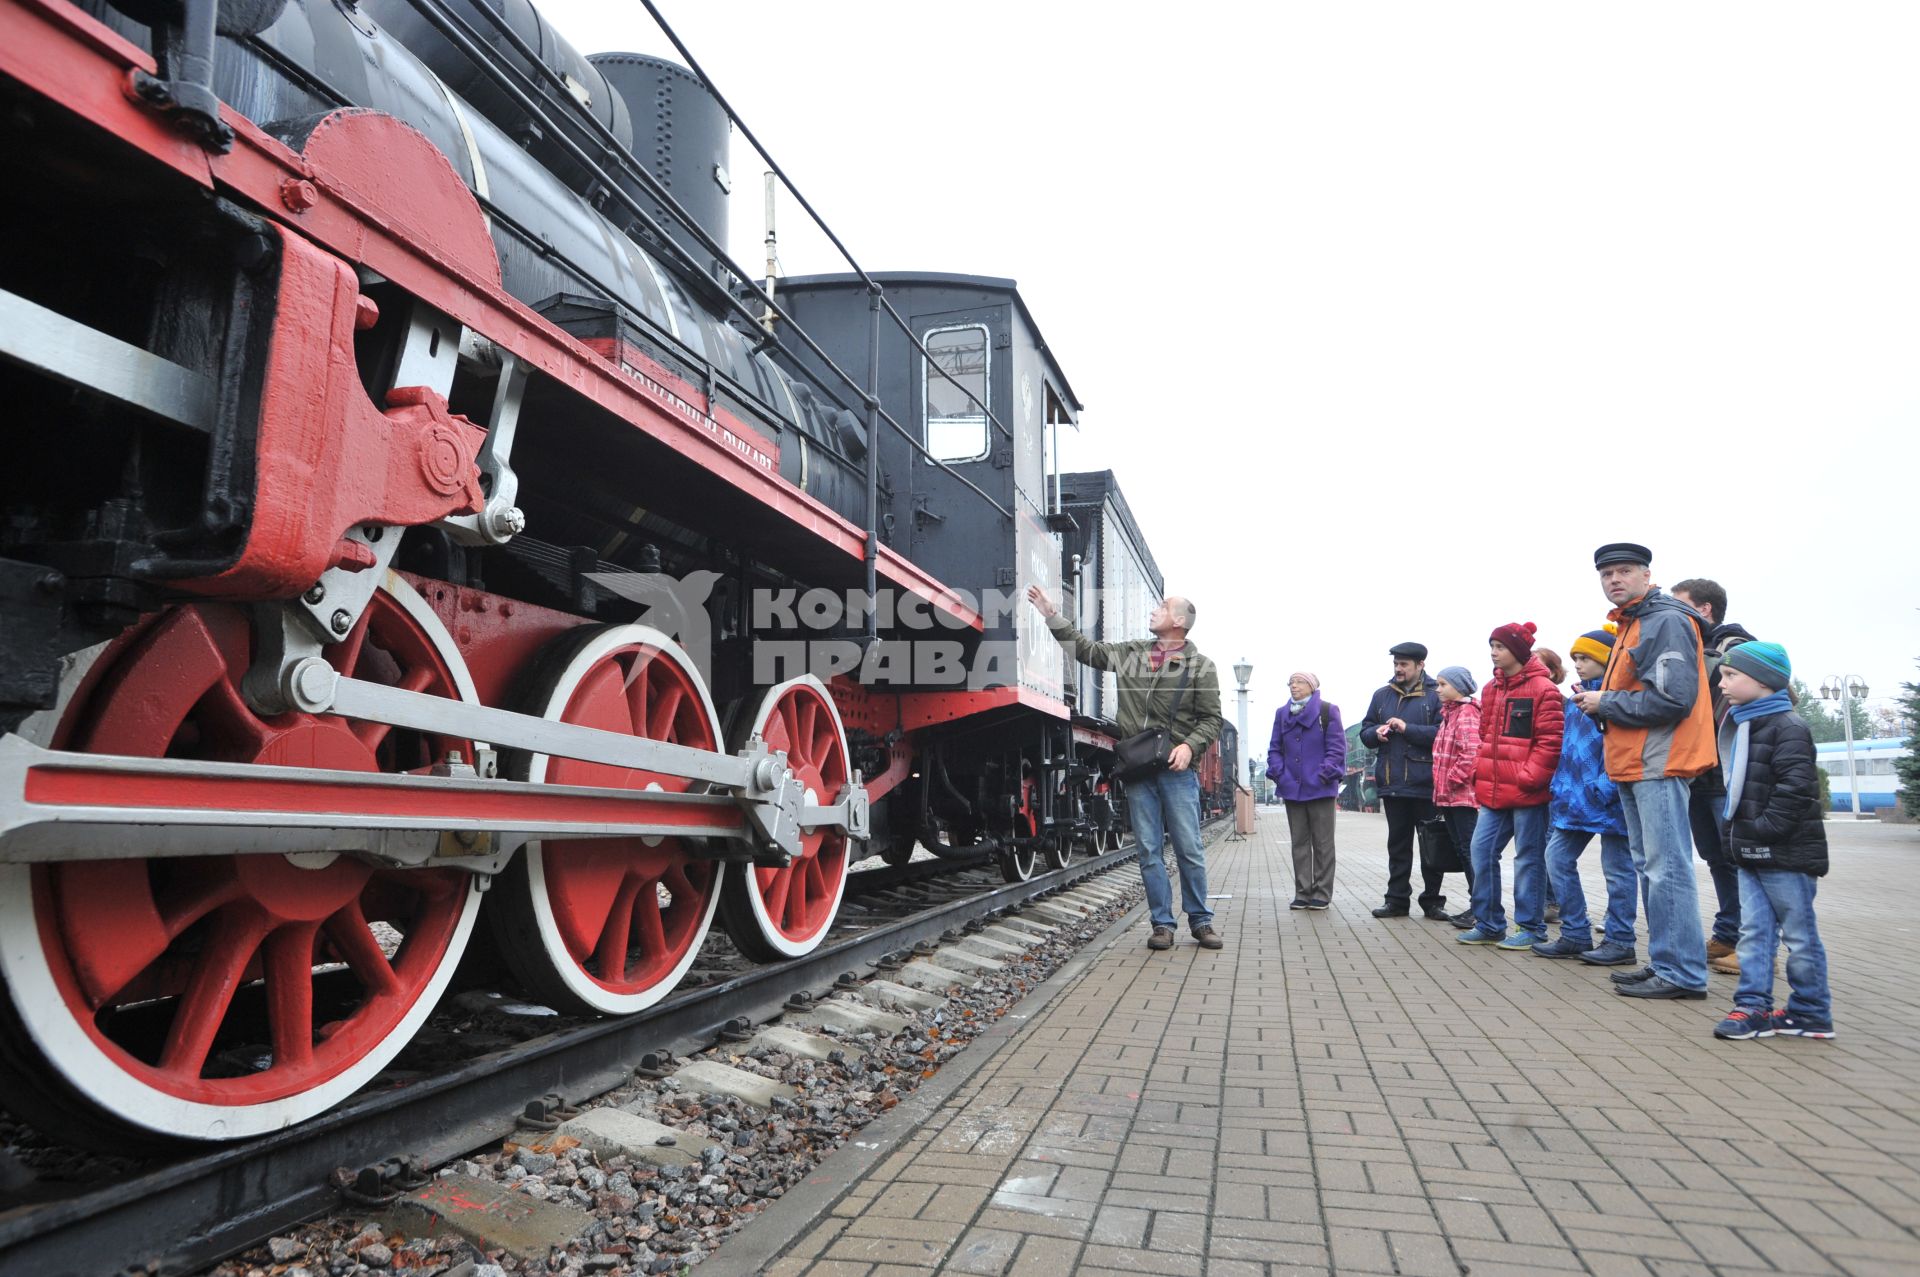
<point>1243,671</point>
<point>1847,688</point>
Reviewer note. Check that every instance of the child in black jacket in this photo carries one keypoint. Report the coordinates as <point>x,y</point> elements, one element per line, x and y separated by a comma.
<point>1775,838</point>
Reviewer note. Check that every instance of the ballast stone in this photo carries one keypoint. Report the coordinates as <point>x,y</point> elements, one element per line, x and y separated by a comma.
<point>612,1132</point>
<point>491,1216</point>
<point>703,1077</point>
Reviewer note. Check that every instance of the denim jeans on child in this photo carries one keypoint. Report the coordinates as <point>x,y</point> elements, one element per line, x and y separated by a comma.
<point>1623,884</point>
<point>1661,841</point>
<point>1777,905</point>
<point>1527,828</point>
<point>1169,803</point>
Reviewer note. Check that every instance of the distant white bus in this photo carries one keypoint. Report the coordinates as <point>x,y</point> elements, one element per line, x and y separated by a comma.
<point>1873,762</point>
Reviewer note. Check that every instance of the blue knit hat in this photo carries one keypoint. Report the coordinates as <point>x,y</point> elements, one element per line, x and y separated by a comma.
<point>1462,680</point>
<point>1766,662</point>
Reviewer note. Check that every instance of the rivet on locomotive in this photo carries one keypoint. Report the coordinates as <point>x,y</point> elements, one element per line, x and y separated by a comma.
<point>413,549</point>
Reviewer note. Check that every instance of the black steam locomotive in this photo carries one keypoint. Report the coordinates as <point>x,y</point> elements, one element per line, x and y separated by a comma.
<point>410,505</point>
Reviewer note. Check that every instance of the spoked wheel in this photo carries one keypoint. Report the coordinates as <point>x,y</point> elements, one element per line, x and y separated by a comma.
<point>1016,865</point>
<point>1060,849</point>
<point>217,997</point>
<point>610,925</point>
<point>785,913</point>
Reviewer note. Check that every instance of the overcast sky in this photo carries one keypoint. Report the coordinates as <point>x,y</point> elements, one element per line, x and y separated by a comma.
<point>1387,314</point>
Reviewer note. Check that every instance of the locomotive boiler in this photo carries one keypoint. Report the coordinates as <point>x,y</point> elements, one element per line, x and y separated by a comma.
<point>415,540</point>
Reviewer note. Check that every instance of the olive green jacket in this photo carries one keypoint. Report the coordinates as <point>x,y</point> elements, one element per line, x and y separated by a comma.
<point>1146,694</point>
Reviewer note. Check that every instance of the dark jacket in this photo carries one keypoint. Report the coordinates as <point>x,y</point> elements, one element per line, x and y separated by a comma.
<point>1308,753</point>
<point>1584,798</point>
<point>1777,824</point>
<point>1521,719</point>
<point>1403,762</point>
<point>1146,695</point>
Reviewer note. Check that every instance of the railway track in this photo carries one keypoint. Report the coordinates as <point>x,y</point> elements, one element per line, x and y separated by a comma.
<point>177,1216</point>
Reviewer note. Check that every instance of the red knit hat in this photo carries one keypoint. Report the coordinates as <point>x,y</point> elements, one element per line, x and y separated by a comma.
<point>1516,637</point>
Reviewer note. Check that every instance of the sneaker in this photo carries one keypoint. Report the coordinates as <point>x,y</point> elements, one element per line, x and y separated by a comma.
<point>1477,936</point>
<point>1789,1025</point>
<point>1463,920</point>
<point>1392,911</point>
<point>1742,1024</point>
<point>1520,941</point>
<point>1718,949</point>
<point>1656,987</point>
<point>1299,902</point>
<point>1632,977</point>
<point>1316,904</point>
<point>1564,947</point>
<point>1208,938</point>
<point>1725,964</point>
<point>1553,911</point>
<point>1162,938</point>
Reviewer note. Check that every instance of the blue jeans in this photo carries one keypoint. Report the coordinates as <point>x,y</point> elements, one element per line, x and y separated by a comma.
<point>1777,905</point>
<point>1527,828</point>
<point>1662,847</point>
<point>1623,884</point>
<point>1169,803</point>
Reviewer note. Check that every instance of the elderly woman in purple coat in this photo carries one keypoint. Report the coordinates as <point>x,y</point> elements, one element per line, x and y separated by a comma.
<point>1305,762</point>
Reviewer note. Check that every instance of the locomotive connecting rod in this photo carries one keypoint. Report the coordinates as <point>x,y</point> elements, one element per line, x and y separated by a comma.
<point>56,805</point>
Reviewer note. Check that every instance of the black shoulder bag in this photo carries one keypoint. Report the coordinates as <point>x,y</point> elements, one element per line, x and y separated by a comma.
<point>1144,754</point>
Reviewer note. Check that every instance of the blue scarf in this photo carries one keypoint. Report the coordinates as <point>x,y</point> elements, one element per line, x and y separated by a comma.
<point>1775,703</point>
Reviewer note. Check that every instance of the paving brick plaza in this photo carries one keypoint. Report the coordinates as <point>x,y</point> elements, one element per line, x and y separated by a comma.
<point>1336,1093</point>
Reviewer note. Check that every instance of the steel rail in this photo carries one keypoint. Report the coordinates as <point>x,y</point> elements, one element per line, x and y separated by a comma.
<point>186,1215</point>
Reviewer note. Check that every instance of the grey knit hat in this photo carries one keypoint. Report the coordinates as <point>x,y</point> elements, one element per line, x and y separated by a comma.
<point>1462,680</point>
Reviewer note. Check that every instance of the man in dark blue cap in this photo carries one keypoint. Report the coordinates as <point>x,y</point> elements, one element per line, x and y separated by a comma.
<point>1653,705</point>
<point>1401,723</point>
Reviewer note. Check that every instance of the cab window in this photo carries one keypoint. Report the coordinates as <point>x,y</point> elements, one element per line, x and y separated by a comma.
<point>956,428</point>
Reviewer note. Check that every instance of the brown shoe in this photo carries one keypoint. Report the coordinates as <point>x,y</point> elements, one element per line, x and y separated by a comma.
<point>1715,949</point>
<point>1726,964</point>
<point>1162,938</point>
<point>1208,938</point>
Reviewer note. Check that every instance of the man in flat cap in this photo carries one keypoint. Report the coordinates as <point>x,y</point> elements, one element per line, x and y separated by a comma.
<point>1658,719</point>
<point>1400,725</point>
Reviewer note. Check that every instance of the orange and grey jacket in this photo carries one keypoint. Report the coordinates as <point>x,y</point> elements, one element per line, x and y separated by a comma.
<point>1653,702</point>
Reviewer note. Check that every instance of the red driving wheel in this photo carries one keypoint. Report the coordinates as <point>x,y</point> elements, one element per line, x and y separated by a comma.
<point>220,996</point>
<point>610,925</point>
<point>785,913</point>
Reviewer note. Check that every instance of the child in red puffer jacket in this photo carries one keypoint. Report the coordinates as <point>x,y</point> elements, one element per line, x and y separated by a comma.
<point>1521,716</point>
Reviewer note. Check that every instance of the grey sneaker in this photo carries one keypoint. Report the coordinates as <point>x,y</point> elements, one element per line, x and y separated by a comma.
<point>1162,938</point>
<point>1208,938</point>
